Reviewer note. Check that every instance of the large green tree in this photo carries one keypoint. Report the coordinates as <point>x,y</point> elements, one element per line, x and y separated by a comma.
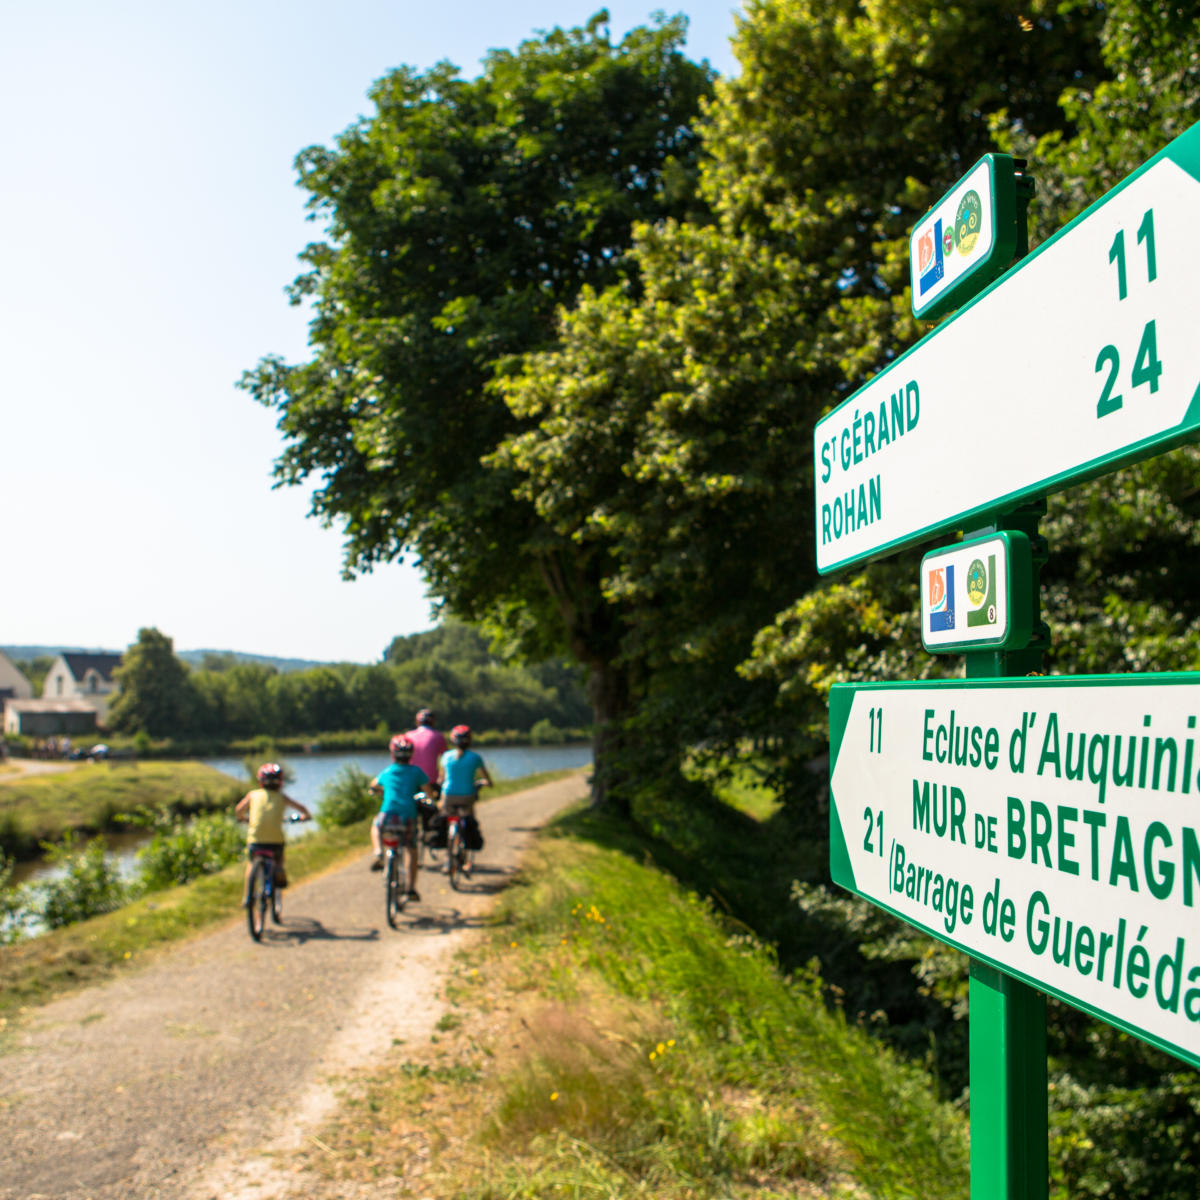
<point>1120,588</point>
<point>156,695</point>
<point>670,430</point>
<point>459,216</point>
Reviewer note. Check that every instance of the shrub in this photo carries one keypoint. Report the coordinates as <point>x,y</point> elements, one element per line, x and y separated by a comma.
<point>14,904</point>
<point>345,799</point>
<point>90,885</point>
<point>181,851</point>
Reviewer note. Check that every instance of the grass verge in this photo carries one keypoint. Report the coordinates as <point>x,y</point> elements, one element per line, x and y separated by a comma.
<point>615,1037</point>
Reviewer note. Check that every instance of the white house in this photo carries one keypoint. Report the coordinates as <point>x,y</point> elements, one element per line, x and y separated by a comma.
<point>13,685</point>
<point>87,677</point>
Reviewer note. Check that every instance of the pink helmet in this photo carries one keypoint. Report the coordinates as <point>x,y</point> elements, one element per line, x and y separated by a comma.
<point>425,717</point>
<point>460,735</point>
<point>401,747</point>
<point>270,774</point>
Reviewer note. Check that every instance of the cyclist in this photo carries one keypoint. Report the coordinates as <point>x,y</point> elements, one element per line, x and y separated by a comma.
<point>457,773</point>
<point>263,808</point>
<point>398,785</point>
<point>428,743</point>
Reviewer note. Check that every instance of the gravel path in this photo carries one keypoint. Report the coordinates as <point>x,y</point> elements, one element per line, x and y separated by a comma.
<point>151,1086</point>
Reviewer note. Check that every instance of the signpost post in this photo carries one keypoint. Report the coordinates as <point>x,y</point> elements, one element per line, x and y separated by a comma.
<point>1047,827</point>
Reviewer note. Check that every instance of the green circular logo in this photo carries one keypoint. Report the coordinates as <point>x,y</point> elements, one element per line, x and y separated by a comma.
<point>976,582</point>
<point>967,222</point>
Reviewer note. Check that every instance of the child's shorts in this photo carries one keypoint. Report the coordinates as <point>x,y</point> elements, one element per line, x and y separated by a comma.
<point>405,827</point>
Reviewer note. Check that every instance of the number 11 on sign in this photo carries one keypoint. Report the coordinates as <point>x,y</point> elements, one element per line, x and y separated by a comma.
<point>876,735</point>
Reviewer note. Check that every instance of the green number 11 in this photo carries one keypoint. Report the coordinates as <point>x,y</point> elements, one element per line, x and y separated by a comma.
<point>1116,253</point>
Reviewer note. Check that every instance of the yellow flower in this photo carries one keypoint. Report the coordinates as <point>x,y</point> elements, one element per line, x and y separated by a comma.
<point>553,1095</point>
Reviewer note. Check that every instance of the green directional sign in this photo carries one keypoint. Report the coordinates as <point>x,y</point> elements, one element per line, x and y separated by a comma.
<point>1081,359</point>
<point>1049,827</point>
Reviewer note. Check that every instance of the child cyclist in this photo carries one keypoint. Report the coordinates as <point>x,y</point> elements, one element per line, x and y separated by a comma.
<point>399,785</point>
<point>264,808</point>
<point>456,775</point>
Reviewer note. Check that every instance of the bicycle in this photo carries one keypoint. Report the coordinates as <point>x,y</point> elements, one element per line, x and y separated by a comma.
<point>261,893</point>
<point>395,874</point>
<point>458,856</point>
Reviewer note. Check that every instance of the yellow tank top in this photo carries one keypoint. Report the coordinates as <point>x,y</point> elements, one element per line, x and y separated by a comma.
<point>266,816</point>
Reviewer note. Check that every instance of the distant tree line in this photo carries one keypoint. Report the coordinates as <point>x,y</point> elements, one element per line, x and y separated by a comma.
<point>449,669</point>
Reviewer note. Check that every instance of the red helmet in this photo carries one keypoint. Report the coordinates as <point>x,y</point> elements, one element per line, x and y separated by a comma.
<point>270,774</point>
<point>425,717</point>
<point>401,747</point>
<point>460,735</point>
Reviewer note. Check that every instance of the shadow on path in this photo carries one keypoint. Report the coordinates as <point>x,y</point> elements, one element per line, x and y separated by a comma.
<point>308,929</point>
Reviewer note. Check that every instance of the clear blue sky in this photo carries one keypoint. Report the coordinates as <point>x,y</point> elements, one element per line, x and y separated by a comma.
<point>150,222</point>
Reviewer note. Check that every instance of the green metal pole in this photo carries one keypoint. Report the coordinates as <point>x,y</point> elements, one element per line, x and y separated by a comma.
<point>1009,1120</point>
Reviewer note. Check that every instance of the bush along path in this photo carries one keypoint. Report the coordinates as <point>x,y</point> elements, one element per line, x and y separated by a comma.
<point>164,1081</point>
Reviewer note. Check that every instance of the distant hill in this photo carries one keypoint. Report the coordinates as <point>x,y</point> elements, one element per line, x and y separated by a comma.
<point>193,657</point>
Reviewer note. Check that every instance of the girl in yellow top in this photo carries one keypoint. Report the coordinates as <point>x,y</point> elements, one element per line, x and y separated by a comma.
<point>263,808</point>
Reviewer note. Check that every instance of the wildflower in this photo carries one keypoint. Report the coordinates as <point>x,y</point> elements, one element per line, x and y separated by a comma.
<point>553,1095</point>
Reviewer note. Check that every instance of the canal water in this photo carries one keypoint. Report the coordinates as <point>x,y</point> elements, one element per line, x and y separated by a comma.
<point>309,773</point>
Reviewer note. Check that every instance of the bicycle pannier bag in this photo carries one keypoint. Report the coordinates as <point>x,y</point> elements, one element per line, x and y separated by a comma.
<point>472,834</point>
<point>435,831</point>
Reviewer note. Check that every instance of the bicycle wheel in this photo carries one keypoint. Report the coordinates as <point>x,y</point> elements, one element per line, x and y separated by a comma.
<point>395,887</point>
<point>456,856</point>
<point>256,908</point>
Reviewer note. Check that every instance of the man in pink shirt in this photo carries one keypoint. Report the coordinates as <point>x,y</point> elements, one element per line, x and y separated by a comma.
<point>428,744</point>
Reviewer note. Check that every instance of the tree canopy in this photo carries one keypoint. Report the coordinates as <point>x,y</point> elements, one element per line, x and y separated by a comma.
<point>575,320</point>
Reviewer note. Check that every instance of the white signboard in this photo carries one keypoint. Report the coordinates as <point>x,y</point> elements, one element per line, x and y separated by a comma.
<point>1050,827</point>
<point>1082,359</point>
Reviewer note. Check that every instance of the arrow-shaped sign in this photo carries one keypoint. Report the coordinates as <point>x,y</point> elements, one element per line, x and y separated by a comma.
<point>1048,826</point>
<point>1082,359</point>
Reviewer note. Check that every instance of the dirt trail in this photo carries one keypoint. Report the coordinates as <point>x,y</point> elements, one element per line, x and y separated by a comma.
<point>152,1086</point>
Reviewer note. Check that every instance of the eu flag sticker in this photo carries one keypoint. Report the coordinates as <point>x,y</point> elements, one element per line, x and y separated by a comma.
<point>940,583</point>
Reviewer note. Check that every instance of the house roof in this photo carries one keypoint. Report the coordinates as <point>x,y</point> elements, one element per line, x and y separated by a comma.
<point>80,664</point>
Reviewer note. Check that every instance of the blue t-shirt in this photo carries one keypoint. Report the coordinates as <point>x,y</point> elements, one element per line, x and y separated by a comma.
<point>400,783</point>
<point>460,767</point>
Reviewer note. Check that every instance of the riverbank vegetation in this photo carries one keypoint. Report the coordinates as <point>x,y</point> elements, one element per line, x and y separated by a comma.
<point>89,798</point>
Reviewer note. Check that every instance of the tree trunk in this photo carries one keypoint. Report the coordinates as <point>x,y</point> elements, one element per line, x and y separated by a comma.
<point>609,690</point>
